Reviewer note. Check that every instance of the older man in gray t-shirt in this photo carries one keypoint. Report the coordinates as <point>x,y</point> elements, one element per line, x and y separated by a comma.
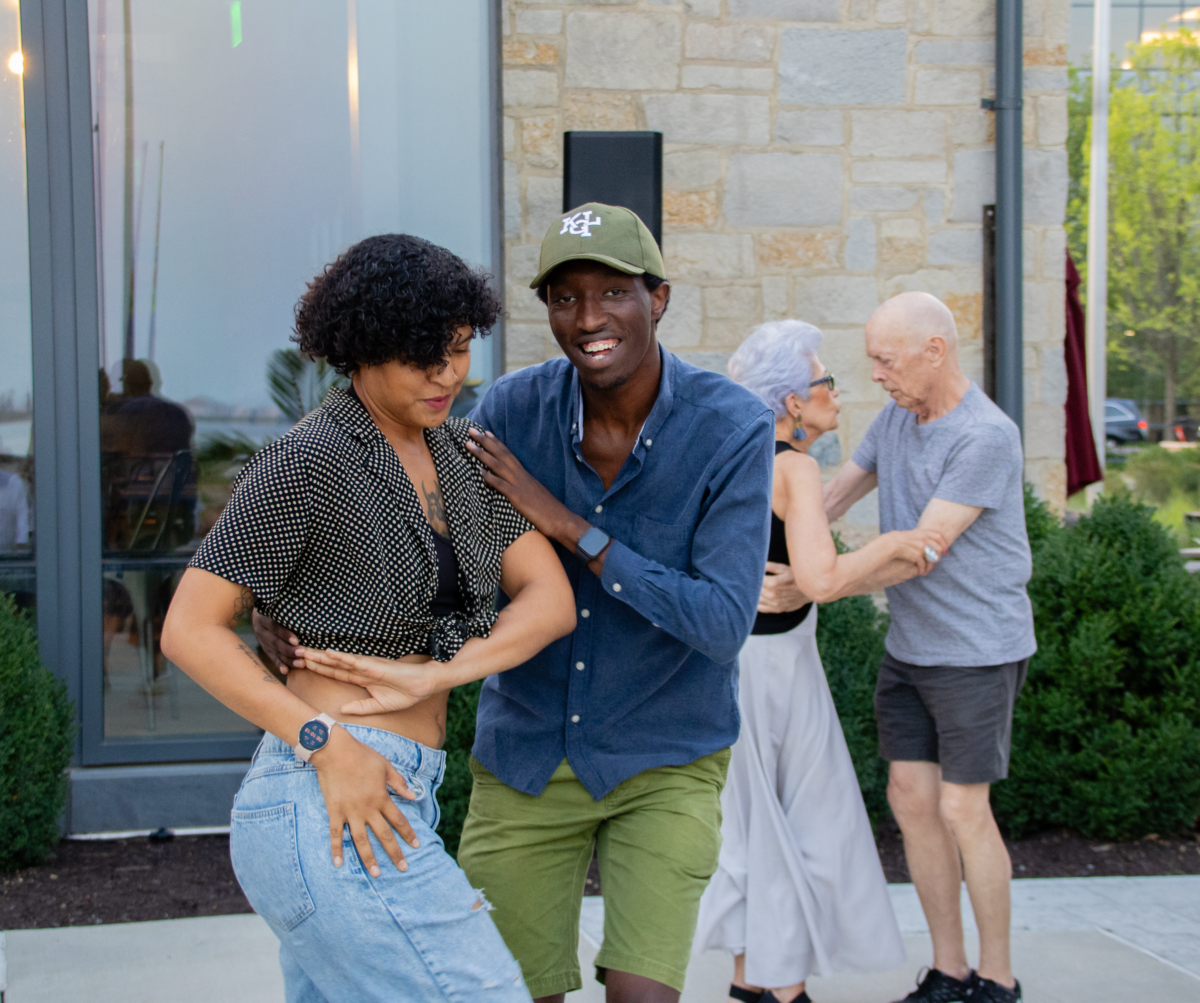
<point>945,457</point>
<point>972,608</point>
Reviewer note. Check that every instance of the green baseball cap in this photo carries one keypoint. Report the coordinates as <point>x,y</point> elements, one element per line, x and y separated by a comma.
<point>610,234</point>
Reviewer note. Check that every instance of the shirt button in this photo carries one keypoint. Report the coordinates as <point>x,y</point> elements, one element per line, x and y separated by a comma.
<point>616,586</point>
<point>585,613</point>
<point>599,508</point>
<point>574,718</point>
<point>579,666</point>
<point>649,442</point>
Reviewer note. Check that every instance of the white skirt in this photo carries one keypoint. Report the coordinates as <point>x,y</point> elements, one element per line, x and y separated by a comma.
<point>799,888</point>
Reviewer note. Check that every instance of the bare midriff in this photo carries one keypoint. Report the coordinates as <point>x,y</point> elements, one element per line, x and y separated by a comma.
<point>424,722</point>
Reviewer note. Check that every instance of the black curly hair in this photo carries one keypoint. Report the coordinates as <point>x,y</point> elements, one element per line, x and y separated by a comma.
<point>392,297</point>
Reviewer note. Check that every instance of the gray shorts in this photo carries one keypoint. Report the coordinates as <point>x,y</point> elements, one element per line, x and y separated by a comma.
<point>960,717</point>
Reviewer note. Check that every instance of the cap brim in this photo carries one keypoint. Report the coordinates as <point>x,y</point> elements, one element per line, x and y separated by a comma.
<point>604,259</point>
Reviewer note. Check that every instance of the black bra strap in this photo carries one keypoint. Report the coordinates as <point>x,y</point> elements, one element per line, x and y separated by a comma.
<point>744,995</point>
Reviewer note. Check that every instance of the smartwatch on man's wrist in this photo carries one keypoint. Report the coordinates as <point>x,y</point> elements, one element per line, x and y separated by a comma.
<point>591,545</point>
<point>314,736</point>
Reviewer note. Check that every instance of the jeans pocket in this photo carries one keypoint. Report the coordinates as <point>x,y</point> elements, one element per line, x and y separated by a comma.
<point>266,861</point>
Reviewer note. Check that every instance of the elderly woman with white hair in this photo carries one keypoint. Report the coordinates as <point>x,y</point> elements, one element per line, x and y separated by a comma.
<point>799,890</point>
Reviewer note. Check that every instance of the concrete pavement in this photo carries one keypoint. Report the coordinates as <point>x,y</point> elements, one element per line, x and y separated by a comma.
<point>1075,940</point>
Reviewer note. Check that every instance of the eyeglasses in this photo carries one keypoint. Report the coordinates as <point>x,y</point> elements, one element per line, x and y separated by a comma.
<point>825,379</point>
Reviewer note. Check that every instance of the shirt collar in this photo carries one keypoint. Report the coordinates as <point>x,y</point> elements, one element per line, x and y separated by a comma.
<point>344,407</point>
<point>658,413</point>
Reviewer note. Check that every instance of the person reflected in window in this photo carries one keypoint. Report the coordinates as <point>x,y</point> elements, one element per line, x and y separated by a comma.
<point>14,513</point>
<point>368,531</point>
<point>799,889</point>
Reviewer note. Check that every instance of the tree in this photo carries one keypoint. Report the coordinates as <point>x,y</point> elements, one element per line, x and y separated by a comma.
<point>298,384</point>
<point>1154,211</point>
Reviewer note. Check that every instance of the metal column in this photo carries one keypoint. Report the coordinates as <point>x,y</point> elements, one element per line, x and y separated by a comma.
<point>1009,336</point>
<point>1097,251</point>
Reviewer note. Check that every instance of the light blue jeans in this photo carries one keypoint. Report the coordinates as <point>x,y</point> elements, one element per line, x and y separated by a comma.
<point>344,935</point>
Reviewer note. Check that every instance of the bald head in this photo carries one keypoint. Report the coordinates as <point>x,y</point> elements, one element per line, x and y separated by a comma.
<point>912,341</point>
<point>916,317</point>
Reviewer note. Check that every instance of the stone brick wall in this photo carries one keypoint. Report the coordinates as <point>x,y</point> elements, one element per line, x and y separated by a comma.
<point>819,156</point>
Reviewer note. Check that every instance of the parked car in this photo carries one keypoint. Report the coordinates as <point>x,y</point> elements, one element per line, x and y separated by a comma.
<point>1123,422</point>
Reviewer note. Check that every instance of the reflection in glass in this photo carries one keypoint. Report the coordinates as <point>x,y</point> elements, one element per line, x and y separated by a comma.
<point>17,575</point>
<point>235,155</point>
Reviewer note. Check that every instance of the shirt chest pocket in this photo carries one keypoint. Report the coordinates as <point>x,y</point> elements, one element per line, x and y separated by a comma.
<point>666,543</point>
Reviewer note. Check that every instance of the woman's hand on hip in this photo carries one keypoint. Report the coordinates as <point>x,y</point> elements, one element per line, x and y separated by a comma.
<point>394,683</point>
<point>355,779</point>
<point>910,545</point>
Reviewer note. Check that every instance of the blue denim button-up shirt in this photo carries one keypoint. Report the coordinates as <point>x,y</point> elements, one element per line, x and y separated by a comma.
<point>649,676</point>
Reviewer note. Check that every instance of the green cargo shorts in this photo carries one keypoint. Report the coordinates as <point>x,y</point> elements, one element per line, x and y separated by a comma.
<point>657,836</point>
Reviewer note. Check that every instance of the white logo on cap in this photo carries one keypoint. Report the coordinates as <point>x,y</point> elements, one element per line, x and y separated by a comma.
<point>579,224</point>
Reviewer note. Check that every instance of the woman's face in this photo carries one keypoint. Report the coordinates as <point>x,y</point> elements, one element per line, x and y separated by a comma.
<point>820,412</point>
<point>419,398</point>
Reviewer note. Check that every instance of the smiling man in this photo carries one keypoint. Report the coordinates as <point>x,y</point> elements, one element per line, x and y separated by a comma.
<point>652,478</point>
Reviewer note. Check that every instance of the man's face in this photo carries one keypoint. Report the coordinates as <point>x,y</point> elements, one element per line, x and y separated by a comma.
<point>603,320</point>
<point>902,368</point>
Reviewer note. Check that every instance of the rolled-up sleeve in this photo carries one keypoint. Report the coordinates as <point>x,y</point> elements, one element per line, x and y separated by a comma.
<point>712,607</point>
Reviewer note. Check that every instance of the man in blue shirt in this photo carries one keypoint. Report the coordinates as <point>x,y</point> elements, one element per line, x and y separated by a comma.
<point>653,480</point>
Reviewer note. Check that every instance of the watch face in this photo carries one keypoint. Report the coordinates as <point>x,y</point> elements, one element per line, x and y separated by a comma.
<point>592,542</point>
<point>314,735</point>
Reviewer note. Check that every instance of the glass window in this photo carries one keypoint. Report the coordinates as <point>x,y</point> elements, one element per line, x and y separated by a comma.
<point>16,374</point>
<point>238,148</point>
<point>1132,20</point>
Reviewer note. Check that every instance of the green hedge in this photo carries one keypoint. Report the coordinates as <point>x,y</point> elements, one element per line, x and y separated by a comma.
<point>850,634</point>
<point>37,731</point>
<point>455,793</point>
<point>1106,735</point>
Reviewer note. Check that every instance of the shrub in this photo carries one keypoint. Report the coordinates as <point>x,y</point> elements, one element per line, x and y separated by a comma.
<point>1159,473</point>
<point>1106,735</point>
<point>850,635</point>
<point>37,731</point>
<point>455,793</point>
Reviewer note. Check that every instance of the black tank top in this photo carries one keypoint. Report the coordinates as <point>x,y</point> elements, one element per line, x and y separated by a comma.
<point>448,599</point>
<point>779,623</point>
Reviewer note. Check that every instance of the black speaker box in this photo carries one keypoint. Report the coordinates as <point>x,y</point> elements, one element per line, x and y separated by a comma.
<point>616,168</point>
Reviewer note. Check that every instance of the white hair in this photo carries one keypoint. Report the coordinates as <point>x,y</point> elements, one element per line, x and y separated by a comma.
<point>777,360</point>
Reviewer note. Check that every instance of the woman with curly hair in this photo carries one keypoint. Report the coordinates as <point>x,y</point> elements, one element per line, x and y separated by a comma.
<point>369,533</point>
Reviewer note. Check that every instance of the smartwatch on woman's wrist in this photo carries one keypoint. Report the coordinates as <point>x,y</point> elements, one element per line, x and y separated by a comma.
<point>314,736</point>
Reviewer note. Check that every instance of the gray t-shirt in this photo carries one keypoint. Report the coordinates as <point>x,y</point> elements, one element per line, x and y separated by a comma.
<point>971,609</point>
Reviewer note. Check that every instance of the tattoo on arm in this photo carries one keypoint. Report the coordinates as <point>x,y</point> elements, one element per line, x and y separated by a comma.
<point>268,676</point>
<point>434,506</point>
<point>242,606</point>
